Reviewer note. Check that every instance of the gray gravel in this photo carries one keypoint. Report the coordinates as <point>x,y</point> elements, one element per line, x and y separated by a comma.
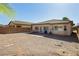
<point>23,44</point>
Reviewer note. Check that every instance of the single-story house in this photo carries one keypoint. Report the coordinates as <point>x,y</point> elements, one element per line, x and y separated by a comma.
<point>54,26</point>
<point>20,26</point>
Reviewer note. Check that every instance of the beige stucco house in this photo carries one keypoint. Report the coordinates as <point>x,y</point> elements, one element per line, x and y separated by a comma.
<point>20,26</point>
<point>54,26</point>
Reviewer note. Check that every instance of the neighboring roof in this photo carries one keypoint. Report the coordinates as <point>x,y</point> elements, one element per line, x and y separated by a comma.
<point>53,21</point>
<point>20,22</point>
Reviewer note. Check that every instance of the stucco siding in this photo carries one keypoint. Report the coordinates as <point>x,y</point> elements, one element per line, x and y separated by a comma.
<point>42,28</point>
<point>51,28</point>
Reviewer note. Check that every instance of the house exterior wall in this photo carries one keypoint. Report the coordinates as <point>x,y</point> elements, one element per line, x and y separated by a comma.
<point>51,28</point>
<point>40,26</point>
<point>20,28</point>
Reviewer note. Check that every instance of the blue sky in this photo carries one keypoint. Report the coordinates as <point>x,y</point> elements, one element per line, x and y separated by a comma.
<point>36,12</point>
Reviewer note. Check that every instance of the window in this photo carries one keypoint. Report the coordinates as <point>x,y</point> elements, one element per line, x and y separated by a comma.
<point>36,28</point>
<point>12,26</point>
<point>19,26</point>
<point>28,29</point>
<point>45,28</point>
<point>56,28</point>
<point>65,28</point>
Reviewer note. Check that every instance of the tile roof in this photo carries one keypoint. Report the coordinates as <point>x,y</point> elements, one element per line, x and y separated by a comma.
<point>20,22</point>
<point>44,22</point>
<point>53,21</point>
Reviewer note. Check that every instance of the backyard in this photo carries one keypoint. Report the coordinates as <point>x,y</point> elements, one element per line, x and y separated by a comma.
<point>24,44</point>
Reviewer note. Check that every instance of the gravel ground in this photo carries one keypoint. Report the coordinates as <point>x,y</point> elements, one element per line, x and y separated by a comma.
<point>22,44</point>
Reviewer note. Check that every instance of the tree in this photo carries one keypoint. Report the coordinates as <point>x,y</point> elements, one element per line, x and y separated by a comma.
<point>65,18</point>
<point>6,10</point>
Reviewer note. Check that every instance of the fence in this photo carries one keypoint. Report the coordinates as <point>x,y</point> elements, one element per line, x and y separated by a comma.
<point>4,30</point>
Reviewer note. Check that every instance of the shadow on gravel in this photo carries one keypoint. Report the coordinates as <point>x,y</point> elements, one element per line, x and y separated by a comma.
<point>72,38</point>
